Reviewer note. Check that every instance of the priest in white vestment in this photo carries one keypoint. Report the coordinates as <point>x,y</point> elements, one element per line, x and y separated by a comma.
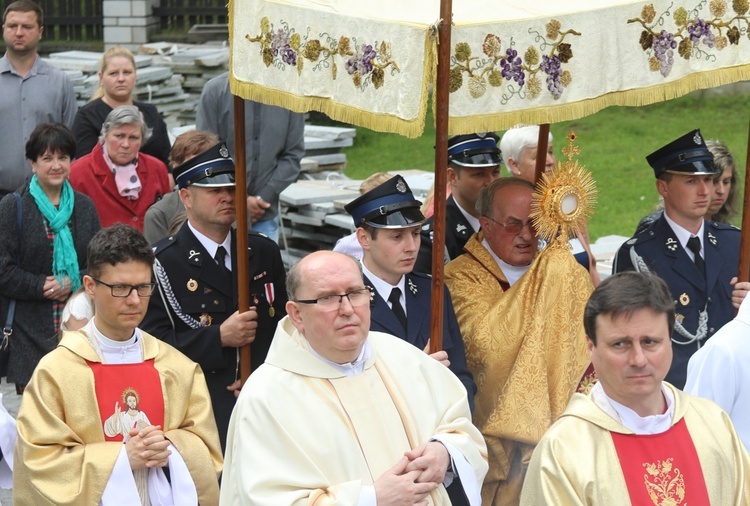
<point>720,371</point>
<point>636,439</point>
<point>341,415</point>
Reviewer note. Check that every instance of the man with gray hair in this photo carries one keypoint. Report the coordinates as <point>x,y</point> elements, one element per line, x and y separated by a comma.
<point>635,439</point>
<point>519,321</point>
<point>340,414</point>
<point>34,92</point>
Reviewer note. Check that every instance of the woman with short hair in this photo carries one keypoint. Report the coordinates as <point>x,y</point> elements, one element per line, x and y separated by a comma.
<point>122,182</point>
<point>42,263</point>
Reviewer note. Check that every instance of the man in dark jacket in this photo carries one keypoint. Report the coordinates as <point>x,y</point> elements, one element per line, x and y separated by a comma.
<point>195,309</point>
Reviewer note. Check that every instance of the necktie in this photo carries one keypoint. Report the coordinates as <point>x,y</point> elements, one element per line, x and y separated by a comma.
<point>694,244</point>
<point>220,257</point>
<point>398,310</point>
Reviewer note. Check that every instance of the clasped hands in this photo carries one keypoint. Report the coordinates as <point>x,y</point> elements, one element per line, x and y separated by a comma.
<point>147,448</point>
<point>410,481</point>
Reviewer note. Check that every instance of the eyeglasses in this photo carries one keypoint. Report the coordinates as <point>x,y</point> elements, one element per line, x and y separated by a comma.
<point>123,291</point>
<point>356,298</point>
<point>513,227</point>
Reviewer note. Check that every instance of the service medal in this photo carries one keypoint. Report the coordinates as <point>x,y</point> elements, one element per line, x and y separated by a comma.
<point>684,299</point>
<point>270,297</point>
<point>679,318</point>
<point>192,285</point>
<point>205,320</point>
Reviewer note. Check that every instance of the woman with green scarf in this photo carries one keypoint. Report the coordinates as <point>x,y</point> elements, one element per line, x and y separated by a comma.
<point>42,263</point>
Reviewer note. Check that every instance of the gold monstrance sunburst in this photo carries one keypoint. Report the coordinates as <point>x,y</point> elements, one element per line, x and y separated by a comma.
<point>564,200</point>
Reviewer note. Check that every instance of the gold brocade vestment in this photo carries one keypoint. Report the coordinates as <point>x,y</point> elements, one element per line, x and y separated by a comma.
<point>66,460</point>
<point>526,349</point>
<point>576,463</point>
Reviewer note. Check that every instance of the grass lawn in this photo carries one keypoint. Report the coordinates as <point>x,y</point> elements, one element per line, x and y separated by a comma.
<point>613,142</point>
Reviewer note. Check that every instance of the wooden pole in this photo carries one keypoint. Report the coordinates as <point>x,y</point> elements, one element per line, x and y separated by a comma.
<point>744,267</point>
<point>541,152</point>
<point>243,275</point>
<point>441,98</point>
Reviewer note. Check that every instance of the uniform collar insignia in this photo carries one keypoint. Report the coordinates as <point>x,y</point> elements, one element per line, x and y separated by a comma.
<point>194,256</point>
<point>671,244</point>
<point>632,241</point>
<point>712,239</point>
<point>412,287</point>
<point>460,228</point>
<point>372,293</point>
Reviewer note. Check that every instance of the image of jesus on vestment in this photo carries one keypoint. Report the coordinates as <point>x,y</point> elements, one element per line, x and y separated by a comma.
<point>127,419</point>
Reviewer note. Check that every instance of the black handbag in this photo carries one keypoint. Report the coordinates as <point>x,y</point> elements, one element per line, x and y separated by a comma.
<point>8,328</point>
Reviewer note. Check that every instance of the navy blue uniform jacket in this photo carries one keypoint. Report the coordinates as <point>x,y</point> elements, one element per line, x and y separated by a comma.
<point>663,254</point>
<point>204,291</point>
<point>418,289</point>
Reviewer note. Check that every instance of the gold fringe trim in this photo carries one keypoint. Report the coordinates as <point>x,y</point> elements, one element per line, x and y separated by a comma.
<point>576,110</point>
<point>380,122</point>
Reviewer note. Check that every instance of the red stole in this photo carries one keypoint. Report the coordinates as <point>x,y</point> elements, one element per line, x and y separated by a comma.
<point>662,468</point>
<point>120,388</point>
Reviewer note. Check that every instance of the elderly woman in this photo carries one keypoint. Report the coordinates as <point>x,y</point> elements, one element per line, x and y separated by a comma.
<point>41,263</point>
<point>116,83</point>
<point>122,182</point>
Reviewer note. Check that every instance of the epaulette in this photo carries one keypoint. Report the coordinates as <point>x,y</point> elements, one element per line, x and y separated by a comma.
<point>420,275</point>
<point>164,243</point>
<point>723,226</point>
<point>642,237</point>
<point>261,235</point>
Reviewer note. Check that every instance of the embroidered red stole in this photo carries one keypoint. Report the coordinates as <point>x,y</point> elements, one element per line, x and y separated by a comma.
<point>662,468</point>
<point>129,397</point>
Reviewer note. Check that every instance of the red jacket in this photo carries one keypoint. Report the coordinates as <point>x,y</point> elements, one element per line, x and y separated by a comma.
<point>90,175</point>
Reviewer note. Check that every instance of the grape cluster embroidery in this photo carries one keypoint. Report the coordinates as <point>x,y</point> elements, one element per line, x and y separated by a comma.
<point>366,64</point>
<point>694,36</point>
<point>523,76</point>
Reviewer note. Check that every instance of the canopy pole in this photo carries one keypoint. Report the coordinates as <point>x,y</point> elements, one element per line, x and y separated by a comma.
<point>441,99</point>
<point>744,266</point>
<point>541,152</point>
<point>243,276</point>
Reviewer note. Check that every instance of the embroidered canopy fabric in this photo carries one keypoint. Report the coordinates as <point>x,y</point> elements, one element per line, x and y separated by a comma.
<point>372,63</point>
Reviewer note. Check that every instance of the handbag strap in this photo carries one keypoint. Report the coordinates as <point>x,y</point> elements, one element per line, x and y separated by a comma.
<point>8,329</point>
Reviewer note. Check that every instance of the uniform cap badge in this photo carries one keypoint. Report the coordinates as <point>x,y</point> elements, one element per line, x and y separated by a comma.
<point>401,186</point>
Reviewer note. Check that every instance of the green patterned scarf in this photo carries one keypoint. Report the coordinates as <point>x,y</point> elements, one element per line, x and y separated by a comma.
<point>64,256</point>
